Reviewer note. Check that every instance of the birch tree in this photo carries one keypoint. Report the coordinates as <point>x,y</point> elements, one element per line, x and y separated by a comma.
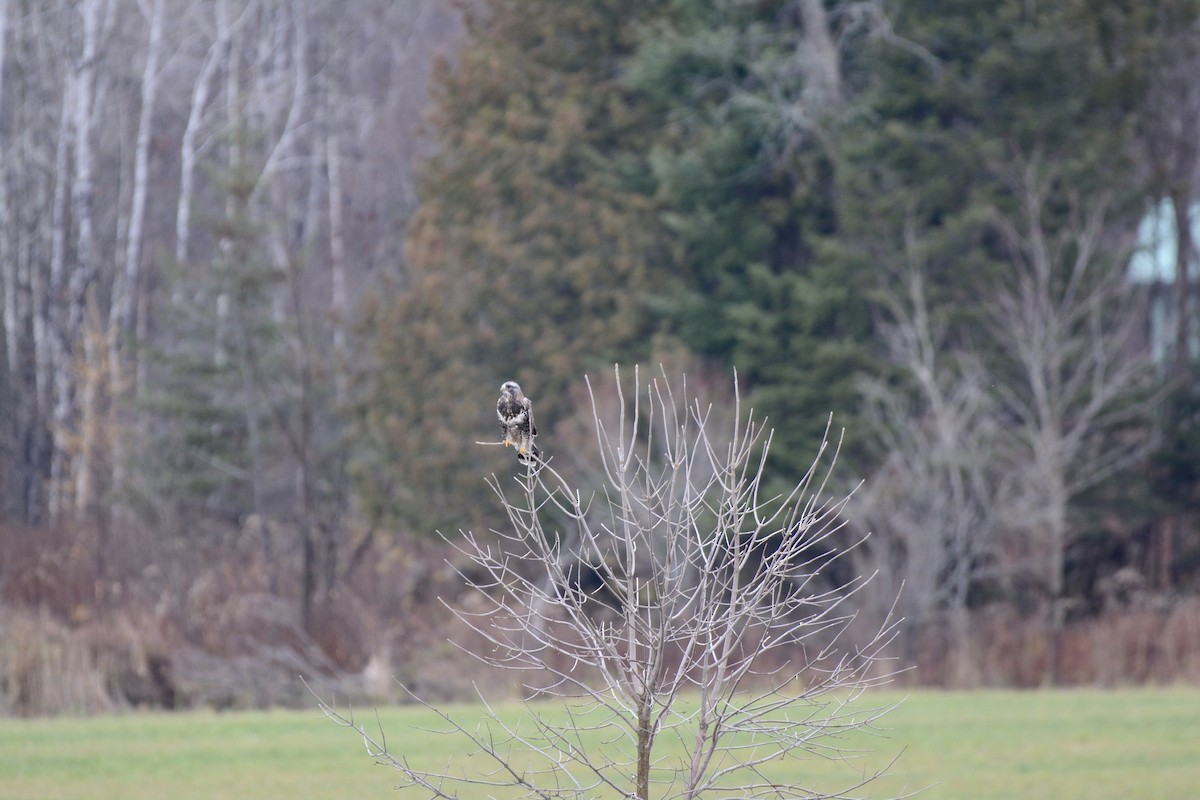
<point>70,280</point>
<point>217,54</point>
<point>120,123</point>
<point>128,289</point>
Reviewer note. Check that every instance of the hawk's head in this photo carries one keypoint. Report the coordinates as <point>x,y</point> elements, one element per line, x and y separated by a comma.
<point>510,388</point>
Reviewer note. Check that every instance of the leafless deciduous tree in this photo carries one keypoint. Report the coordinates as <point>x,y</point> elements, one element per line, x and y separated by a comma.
<point>677,608</point>
<point>1000,435</point>
<point>1066,325</point>
<point>941,495</point>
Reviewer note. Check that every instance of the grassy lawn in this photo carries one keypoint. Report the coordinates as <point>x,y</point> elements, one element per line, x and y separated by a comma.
<point>1057,745</point>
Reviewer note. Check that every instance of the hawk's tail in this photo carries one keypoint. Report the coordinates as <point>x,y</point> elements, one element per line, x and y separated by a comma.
<point>532,457</point>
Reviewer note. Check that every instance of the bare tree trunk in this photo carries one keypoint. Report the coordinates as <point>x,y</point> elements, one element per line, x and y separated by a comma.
<point>14,472</point>
<point>84,274</point>
<point>83,186</point>
<point>127,286</point>
<point>8,264</point>
<point>41,445</point>
<point>1057,501</point>
<point>92,419</point>
<point>1163,567</point>
<point>297,108</point>
<point>187,153</point>
<point>317,538</point>
<point>1184,251</point>
<point>338,304</point>
<point>219,53</point>
<point>316,204</point>
<point>236,122</point>
<point>59,384</point>
<point>822,69</point>
<point>126,301</point>
<point>257,465</point>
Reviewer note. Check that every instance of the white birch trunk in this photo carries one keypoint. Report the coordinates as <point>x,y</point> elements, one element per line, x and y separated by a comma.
<point>218,53</point>
<point>83,186</point>
<point>125,302</point>
<point>285,144</point>
<point>84,274</point>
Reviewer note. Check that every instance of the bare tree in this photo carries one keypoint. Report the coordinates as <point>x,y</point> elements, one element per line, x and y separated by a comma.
<point>998,435</point>
<point>939,499</point>
<point>709,640</point>
<point>1065,324</point>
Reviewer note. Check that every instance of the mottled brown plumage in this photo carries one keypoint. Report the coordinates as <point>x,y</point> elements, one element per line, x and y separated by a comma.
<point>515,412</point>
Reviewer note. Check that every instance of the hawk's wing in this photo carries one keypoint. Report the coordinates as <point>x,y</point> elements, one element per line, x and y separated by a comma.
<point>528,406</point>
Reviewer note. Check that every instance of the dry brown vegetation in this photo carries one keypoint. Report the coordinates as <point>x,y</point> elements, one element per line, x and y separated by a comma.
<point>182,622</point>
<point>176,623</point>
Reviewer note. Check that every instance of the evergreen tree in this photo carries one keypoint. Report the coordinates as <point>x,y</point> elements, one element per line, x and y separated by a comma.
<point>1001,85</point>
<point>745,171</point>
<point>204,448</point>
<point>529,259</point>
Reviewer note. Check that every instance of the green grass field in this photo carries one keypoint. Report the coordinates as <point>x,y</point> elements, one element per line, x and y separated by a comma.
<point>1056,745</point>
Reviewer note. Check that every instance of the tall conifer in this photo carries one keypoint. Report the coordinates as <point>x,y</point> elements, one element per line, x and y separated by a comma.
<point>529,259</point>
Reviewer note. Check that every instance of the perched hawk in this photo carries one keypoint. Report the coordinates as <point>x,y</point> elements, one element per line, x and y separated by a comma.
<point>516,420</point>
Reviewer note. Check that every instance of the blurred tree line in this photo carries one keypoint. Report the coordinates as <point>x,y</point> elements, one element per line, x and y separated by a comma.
<point>194,199</point>
<point>914,216</point>
<point>229,302</point>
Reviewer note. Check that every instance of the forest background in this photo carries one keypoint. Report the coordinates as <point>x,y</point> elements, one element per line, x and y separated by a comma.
<point>265,263</point>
